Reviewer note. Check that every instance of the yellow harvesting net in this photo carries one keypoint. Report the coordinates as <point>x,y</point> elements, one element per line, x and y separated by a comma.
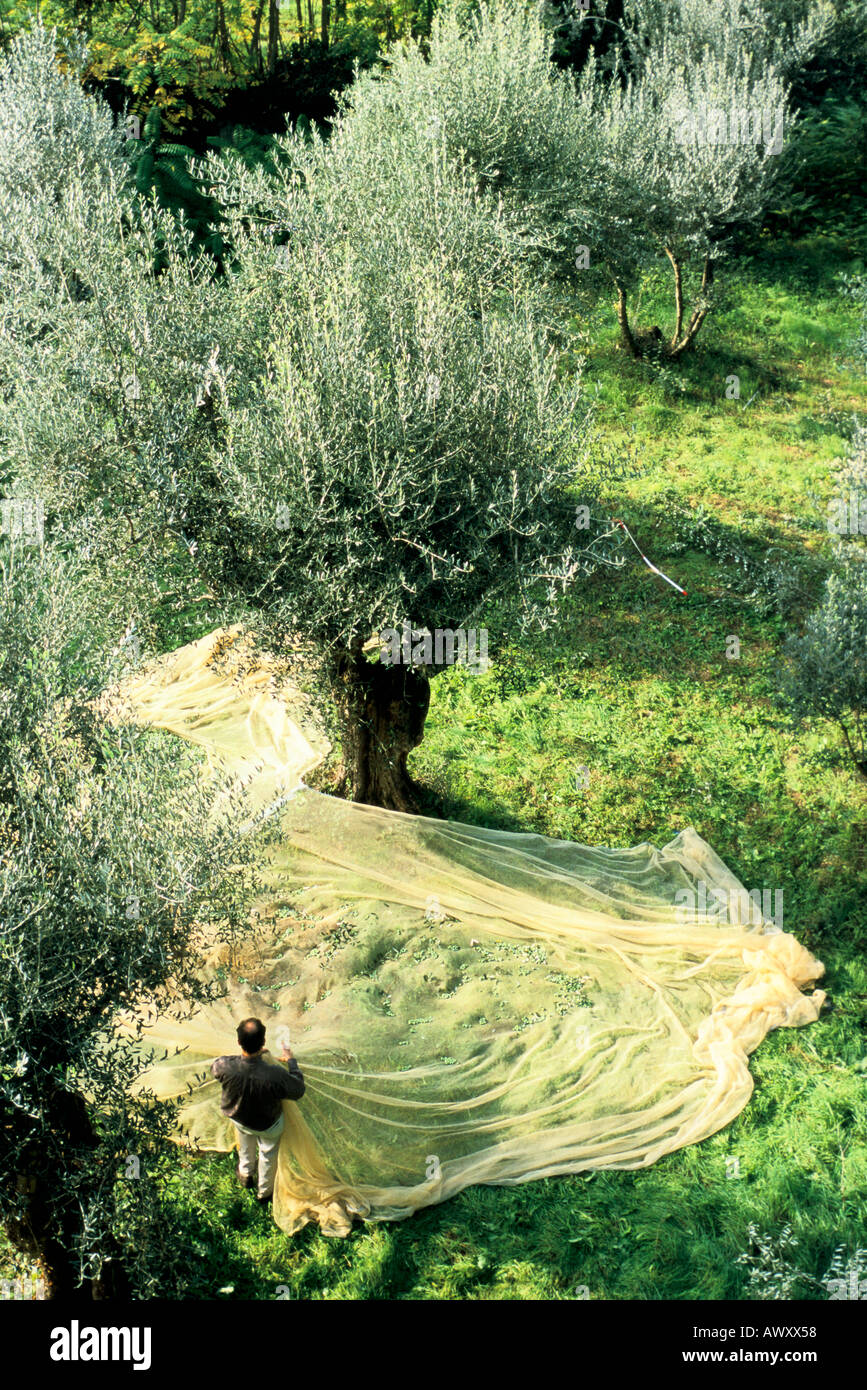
<point>466,1005</point>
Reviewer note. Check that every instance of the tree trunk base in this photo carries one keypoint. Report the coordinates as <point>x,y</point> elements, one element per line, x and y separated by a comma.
<point>648,342</point>
<point>383,711</point>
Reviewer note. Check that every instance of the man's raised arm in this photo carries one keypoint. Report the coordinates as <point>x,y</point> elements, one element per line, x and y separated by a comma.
<point>294,1079</point>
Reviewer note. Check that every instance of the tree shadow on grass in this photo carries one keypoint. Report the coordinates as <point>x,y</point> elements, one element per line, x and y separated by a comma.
<point>707,376</point>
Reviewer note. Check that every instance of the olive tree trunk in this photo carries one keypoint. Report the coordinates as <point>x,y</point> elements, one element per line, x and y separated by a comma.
<point>382,712</point>
<point>649,341</point>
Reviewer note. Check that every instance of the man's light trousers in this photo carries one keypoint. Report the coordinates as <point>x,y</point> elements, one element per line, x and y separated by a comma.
<point>264,1144</point>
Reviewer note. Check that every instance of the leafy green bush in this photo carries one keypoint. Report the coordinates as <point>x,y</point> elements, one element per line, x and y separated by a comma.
<point>200,60</point>
<point>168,171</point>
<point>823,175</point>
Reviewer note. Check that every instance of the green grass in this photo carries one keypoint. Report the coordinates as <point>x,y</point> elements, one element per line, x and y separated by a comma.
<point>634,684</point>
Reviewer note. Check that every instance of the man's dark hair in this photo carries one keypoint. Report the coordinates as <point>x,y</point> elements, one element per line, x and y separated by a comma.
<point>251,1034</point>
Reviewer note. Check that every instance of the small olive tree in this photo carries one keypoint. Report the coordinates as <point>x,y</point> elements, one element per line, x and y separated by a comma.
<point>696,127</point>
<point>113,869</point>
<point>52,132</point>
<point>855,287</point>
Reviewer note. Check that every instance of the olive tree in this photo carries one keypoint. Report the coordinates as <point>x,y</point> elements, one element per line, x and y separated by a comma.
<point>855,287</point>
<point>664,156</point>
<point>696,128</point>
<point>114,867</point>
<point>364,426</point>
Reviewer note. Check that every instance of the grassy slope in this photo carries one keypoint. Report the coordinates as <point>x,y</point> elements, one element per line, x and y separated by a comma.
<point>634,684</point>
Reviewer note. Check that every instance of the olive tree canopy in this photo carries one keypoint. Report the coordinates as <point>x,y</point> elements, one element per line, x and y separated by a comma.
<point>363,426</point>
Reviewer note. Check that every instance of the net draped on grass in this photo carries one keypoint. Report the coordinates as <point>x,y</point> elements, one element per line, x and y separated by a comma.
<point>466,1005</point>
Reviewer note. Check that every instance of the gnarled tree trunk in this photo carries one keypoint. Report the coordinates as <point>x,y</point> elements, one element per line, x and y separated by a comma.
<point>638,342</point>
<point>641,342</point>
<point>382,710</point>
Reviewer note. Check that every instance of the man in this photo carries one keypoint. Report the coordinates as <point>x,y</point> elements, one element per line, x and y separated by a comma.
<point>253,1088</point>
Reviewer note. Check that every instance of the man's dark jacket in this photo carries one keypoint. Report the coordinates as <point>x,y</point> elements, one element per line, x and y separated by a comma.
<point>253,1088</point>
